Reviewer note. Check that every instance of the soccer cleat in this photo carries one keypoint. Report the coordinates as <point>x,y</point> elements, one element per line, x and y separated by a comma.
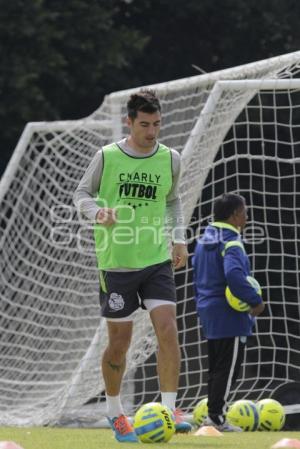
<point>181,426</point>
<point>224,427</point>
<point>124,432</point>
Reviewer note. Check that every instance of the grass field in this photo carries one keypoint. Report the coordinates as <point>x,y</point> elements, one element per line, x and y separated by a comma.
<point>61,438</point>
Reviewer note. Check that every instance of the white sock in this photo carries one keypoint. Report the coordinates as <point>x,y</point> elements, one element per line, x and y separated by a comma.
<point>114,406</point>
<point>169,399</point>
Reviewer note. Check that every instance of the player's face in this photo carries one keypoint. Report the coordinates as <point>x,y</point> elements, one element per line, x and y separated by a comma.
<point>144,130</point>
<point>241,217</point>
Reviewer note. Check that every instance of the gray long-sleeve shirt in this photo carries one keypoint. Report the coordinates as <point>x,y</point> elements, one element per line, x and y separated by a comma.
<point>85,195</point>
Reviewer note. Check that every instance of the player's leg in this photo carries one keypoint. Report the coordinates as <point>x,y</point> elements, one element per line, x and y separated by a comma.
<point>114,356</point>
<point>159,296</point>
<point>113,368</point>
<point>118,301</point>
<point>225,357</point>
<point>164,322</point>
<point>168,358</point>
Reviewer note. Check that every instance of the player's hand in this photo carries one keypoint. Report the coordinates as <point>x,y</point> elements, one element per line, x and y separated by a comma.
<point>106,216</point>
<point>255,311</point>
<point>179,255</point>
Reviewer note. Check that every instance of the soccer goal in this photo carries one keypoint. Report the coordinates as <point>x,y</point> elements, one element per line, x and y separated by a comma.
<point>237,130</point>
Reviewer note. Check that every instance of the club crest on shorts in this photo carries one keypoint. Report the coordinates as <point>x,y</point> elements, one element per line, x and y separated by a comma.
<point>116,302</point>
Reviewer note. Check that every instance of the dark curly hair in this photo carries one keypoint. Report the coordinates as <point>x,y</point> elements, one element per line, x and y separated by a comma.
<point>145,100</point>
<point>226,205</point>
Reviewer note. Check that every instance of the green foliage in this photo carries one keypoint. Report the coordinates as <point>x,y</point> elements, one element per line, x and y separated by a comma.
<point>213,35</point>
<point>59,58</point>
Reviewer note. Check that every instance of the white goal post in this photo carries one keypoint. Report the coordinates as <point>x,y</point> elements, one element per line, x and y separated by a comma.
<point>237,130</point>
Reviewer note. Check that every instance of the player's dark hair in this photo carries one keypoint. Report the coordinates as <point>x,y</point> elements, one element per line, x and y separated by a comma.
<point>145,100</point>
<point>226,205</point>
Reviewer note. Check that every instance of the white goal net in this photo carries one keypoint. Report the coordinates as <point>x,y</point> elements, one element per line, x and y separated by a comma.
<point>238,130</point>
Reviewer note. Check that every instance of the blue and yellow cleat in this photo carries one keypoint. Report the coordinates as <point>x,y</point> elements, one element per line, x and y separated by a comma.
<point>124,432</point>
<point>181,426</point>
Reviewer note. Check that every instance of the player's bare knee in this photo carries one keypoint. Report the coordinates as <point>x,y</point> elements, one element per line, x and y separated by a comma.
<point>167,335</point>
<point>117,349</point>
<point>119,337</point>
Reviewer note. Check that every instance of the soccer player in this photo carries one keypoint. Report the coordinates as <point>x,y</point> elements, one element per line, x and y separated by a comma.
<point>220,260</point>
<point>130,190</point>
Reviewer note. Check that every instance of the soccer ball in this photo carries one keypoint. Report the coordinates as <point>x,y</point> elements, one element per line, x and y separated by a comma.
<point>272,415</point>
<point>200,412</point>
<point>238,304</point>
<point>154,423</point>
<point>243,414</point>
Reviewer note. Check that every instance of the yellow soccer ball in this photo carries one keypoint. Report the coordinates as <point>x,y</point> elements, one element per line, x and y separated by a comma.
<point>154,423</point>
<point>272,414</point>
<point>200,412</point>
<point>238,304</point>
<point>243,414</point>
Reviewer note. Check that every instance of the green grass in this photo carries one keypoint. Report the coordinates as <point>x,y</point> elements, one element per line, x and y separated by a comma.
<point>66,438</point>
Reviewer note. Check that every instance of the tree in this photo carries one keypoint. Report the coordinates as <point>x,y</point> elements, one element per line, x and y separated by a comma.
<point>213,35</point>
<point>59,58</point>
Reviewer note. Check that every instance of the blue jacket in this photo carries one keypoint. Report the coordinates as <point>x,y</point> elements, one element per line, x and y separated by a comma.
<point>220,260</point>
